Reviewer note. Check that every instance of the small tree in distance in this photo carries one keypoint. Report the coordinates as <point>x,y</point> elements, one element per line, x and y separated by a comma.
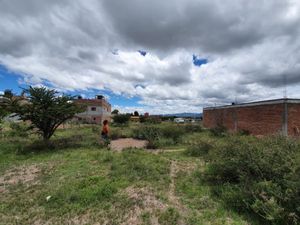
<point>46,110</point>
<point>115,112</point>
<point>8,94</point>
<point>121,118</point>
<point>136,113</point>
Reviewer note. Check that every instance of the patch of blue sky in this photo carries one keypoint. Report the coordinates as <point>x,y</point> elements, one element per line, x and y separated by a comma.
<point>10,80</point>
<point>199,61</point>
<point>142,52</point>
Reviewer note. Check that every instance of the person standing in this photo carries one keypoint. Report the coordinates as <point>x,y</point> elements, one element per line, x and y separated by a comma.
<point>105,132</point>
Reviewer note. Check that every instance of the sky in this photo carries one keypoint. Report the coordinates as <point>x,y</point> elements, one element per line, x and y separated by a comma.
<point>154,56</point>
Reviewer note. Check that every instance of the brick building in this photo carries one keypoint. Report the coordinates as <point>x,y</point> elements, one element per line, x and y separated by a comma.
<point>97,110</point>
<point>279,116</point>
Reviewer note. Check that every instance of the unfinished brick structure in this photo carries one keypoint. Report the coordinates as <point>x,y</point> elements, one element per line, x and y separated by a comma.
<point>279,116</point>
<point>97,110</point>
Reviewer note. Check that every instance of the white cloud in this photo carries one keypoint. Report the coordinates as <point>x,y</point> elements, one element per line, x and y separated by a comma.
<point>252,48</point>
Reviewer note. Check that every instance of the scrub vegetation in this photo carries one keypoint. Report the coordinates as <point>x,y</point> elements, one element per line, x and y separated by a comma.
<point>187,175</point>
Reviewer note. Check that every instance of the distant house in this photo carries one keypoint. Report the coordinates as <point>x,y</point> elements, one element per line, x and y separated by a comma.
<point>279,116</point>
<point>97,110</point>
<point>135,118</point>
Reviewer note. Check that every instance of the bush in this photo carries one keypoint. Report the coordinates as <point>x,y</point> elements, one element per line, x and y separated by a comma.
<point>52,145</point>
<point>121,118</point>
<point>173,132</point>
<point>142,119</point>
<point>170,216</point>
<point>96,129</point>
<point>200,149</point>
<point>244,132</point>
<point>20,129</point>
<point>260,176</point>
<point>150,133</point>
<point>219,131</point>
<point>115,134</point>
<point>191,128</point>
<point>152,120</point>
<point>159,136</point>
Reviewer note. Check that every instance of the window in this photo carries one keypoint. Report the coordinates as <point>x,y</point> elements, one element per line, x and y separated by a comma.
<point>93,108</point>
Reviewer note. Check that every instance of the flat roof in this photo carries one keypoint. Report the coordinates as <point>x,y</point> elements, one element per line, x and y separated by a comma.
<point>91,101</point>
<point>249,104</point>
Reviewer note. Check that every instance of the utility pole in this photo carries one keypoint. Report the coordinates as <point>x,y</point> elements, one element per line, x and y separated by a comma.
<point>285,87</point>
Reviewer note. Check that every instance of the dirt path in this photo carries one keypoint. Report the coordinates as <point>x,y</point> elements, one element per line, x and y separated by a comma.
<point>120,144</point>
<point>174,200</point>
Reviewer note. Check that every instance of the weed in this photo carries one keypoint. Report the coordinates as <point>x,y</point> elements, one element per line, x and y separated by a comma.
<point>170,216</point>
<point>199,149</point>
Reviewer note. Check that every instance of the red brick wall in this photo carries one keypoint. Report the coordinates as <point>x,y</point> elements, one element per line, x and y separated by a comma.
<point>258,120</point>
<point>294,120</point>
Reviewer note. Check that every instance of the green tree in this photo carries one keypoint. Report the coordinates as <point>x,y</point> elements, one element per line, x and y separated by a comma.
<point>8,93</point>
<point>121,118</point>
<point>4,107</point>
<point>115,112</point>
<point>46,110</point>
<point>136,113</point>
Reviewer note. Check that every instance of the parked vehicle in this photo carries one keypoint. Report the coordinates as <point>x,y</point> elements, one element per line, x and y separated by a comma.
<point>179,120</point>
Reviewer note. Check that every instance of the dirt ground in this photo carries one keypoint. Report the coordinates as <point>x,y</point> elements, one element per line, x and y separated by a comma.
<point>120,144</point>
<point>22,174</point>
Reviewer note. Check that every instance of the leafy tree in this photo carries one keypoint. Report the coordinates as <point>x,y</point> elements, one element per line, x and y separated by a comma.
<point>8,93</point>
<point>4,107</point>
<point>115,112</point>
<point>136,113</point>
<point>46,110</point>
<point>121,118</point>
<point>3,113</point>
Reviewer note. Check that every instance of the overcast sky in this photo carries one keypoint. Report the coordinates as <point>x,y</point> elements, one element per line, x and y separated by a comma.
<point>163,56</point>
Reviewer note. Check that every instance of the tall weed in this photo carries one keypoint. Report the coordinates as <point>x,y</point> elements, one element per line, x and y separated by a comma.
<point>260,176</point>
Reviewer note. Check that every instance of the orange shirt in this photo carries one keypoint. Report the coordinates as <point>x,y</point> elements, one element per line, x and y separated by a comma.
<point>105,129</point>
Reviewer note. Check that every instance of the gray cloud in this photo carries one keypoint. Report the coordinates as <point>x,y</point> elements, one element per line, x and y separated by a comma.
<point>251,46</point>
<point>212,26</point>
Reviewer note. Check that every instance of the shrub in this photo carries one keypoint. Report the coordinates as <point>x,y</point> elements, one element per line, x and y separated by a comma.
<point>150,133</point>
<point>96,129</point>
<point>260,176</point>
<point>244,132</point>
<point>170,216</point>
<point>116,133</point>
<point>142,119</point>
<point>152,120</point>
<point>19,129</point>
<point>173,132</point>
<point>219,131</point>
<point>190,128</point>
<point>159,136</point>
<point>121,118</point>
<point>54,144</point>
<point>200,149</point>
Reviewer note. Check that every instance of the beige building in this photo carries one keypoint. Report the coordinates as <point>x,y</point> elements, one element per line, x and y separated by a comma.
<point>97,110</point>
